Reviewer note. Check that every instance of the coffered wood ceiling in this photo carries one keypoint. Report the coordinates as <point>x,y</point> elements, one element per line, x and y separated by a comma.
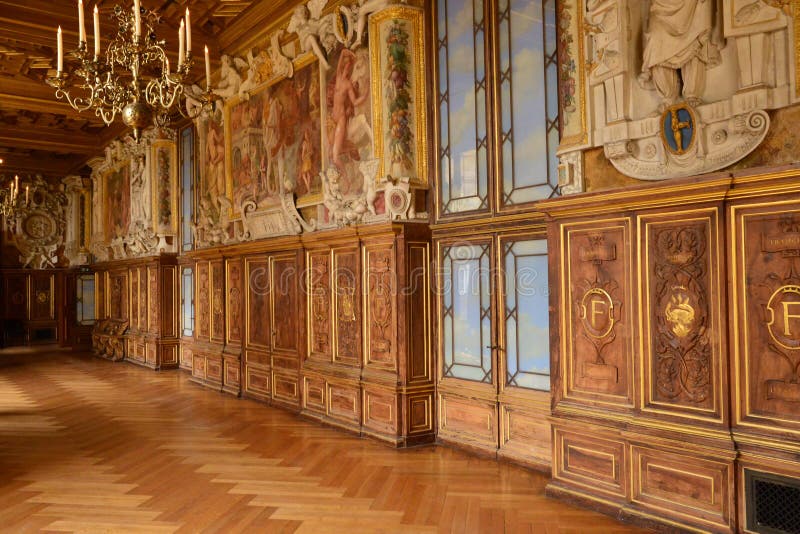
<point>41,134</point>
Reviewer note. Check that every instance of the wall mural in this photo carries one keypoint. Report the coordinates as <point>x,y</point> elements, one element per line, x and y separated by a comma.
<point>274,140</point>
<point>293,132</point>
<point>117,200</point>
<point>645,95</point>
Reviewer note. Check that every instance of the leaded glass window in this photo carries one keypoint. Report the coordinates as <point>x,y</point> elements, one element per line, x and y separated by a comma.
<point>84,300</point>
<point>187,301</point>
<point>187,187</point>
<point>528,115</point>
<point>466,312</point>
<point>526,314</point>
<point>463,151</point>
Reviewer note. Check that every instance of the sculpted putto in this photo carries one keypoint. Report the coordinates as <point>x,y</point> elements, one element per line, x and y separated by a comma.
<point>314,31</point>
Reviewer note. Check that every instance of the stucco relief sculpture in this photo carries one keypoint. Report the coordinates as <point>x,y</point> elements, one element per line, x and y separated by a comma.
<point>39,226</point>
<point>291,146</point>
<point>124,191</point>
<point>314,30</point>
<point>682,41</point>
<point>78,215</point>
<point>649,100</point>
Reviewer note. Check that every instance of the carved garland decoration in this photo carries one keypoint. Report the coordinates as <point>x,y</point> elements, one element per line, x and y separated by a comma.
<point>681,345</point>
<point>598,308</point>
<point>779,296</point>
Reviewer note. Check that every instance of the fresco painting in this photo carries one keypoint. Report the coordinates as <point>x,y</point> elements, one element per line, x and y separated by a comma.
<point>275,140</point>
<point>118,201</point>
<point>348,123</point>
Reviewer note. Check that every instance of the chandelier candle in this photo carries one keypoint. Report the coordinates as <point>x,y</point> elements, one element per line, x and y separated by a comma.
<point>181,45</point>
<point>188,33</point>
<point>137,16</point>
<point>131,78</point>
<point>81,23</point>
<point>60,51</point>
<point>96,33</point>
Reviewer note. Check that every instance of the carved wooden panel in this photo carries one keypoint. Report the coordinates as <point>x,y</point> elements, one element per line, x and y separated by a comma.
<point>257,382</point>
<point>586,459</point>
<point>232,374</point>
<point>381,307</point>
<point>419,412</point>
<point>42,297</point>
<point>285,388</point>
<point>257,357</point>
<point>118,295</point>
<point>214,369</point>
<point>168,318</point>
<point>468,421</point>
<point>217,301</point>
<point>767,275</point>
<point>347,306</point>
<point>100,283</point>
<point>525,431</point>
<point>235,298</point>
<point>314,394</point>
<point>380,411</point>
<point>142,297</point>
<point>135,299</point>
<point>684,343</point>
<point>151,353</point>
<point>186,357</point>
<point>682,484</point>
<point>257,308</point>
<point>418,333</point>
<point>202,327</point>
<point>154,299</point>
<point>285,327</point>
<point>169,354</point>
<point>16,296</point>
<point>199,366</point>
<point>319,305</point>
<point>344,402</point>
<point>598,309</point>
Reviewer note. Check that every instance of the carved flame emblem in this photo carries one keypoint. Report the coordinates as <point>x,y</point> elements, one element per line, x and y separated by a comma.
<point>680,314</point>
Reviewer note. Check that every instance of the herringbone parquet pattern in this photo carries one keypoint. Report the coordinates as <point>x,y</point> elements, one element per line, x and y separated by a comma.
<point>91,446</point>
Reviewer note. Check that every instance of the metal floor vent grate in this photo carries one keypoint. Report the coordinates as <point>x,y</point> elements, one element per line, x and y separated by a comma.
<point>773,503</point>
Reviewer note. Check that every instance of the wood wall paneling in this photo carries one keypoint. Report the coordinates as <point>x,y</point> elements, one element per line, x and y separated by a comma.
<point>672,452</point>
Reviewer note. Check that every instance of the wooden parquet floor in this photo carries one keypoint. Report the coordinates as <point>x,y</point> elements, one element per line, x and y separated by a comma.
<point>92,446</point>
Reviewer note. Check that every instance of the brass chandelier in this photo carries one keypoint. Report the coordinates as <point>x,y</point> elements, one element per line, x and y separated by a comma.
<point>8,198</point>
<point>133,79</point>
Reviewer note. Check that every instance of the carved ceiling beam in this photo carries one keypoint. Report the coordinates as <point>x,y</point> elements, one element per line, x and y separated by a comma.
<point>53,140</point>
<point>254,20</point>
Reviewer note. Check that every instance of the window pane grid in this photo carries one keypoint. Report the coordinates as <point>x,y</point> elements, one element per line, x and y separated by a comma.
<point>526,315</point>
<point>466,314</point>
<point>187,301</point>
<point>464,140</point>
<point>528,87</point>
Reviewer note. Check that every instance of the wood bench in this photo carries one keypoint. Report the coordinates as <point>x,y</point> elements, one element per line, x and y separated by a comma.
<point>108,339</point>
